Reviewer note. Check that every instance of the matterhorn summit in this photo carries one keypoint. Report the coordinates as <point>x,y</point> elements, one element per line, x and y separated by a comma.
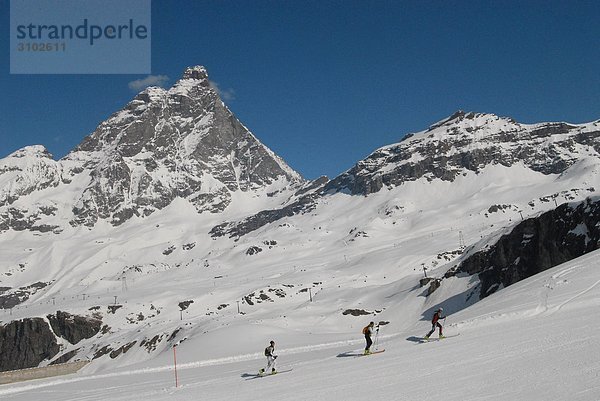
<point>181,142</point>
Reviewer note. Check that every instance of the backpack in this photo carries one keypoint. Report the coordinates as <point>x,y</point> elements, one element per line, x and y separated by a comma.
<point>365,330</point>
<point>267,351</point>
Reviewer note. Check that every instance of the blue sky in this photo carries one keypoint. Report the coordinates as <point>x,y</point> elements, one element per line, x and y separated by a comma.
<point>324,83</point>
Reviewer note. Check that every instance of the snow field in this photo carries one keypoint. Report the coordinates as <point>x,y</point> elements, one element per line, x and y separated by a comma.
<point>535,340</point>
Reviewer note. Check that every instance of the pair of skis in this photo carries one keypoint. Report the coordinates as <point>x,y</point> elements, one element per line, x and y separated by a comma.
<point>426,340</point>
<point>259,375</point>
<point>379,351</point>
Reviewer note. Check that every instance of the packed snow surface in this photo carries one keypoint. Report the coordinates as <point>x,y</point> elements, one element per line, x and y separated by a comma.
<point>535,340</point>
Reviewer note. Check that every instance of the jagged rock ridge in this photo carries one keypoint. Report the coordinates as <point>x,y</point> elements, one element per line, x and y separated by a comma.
<point>470,142</point>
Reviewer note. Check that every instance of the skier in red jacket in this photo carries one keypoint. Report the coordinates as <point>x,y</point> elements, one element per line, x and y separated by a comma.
<point>435,322</point>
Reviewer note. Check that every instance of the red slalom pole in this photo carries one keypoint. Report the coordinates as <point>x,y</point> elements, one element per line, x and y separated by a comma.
<point>175,364</point>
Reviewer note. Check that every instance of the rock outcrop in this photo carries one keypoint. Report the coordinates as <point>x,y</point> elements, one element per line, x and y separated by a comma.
<point>535,245</point>
<point>74,328</point>
<point>25,343</point>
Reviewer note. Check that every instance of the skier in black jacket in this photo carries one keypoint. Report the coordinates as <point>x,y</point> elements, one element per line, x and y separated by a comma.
<point>270,354</point>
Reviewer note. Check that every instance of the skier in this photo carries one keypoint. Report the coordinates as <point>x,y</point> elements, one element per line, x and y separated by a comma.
<point>435,322</point>
<point>269,353</point>
<point>368,331</point>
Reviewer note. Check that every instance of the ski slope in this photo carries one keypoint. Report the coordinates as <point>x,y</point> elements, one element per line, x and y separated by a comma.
<point>535,340</point>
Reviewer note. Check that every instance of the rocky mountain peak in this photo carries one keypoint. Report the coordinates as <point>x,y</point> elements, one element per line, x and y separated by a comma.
<point>181,142</point>
<point>197,72</point>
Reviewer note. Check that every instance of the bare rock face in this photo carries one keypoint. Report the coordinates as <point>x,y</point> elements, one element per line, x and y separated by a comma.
<point>182,142</point>
<point>537,244</point>
<point>166,143</point>
<point>25,343</point>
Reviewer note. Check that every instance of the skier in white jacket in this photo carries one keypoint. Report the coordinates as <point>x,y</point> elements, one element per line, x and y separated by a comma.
<point>270,354</point>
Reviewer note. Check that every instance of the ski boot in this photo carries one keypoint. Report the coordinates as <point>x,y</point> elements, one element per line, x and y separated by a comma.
<point>442,337</point>
<point>273,371</point>
<point>261,372</point>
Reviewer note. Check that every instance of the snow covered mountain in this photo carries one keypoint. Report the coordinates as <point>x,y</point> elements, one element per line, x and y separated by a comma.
<point>469,142</point>
<point>165,144</point>
<point>462,144</point>
<point>171,224</point>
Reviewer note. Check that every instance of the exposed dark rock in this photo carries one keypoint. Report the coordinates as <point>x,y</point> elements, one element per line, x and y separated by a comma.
<point>356,312</point>
<point>496,208</point>
<point>303,205</point>
<point>169,250</point>
<point>424,281</point>
<point>278,291</point>
<point>74,328</point>
<point>537,244</point>
<point>113,308</point>
<point>66,357</point>
<point>122,350</point>
<point>253,250</point>
<point>185,304</point>
<point>25,343</point>
<point>254,298</point>
<point>248,299</point>
<point>152,343</point>
<point>187,247</point>
<point>434,285</point>
<point>102,351</point>
<point>173,335</point>
<point>12,297</point>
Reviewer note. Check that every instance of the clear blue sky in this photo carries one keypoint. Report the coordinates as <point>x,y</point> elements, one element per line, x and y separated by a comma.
<point>324,83</point>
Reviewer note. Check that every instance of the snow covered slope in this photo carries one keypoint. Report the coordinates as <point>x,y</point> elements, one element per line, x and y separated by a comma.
<point>535,340</point>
